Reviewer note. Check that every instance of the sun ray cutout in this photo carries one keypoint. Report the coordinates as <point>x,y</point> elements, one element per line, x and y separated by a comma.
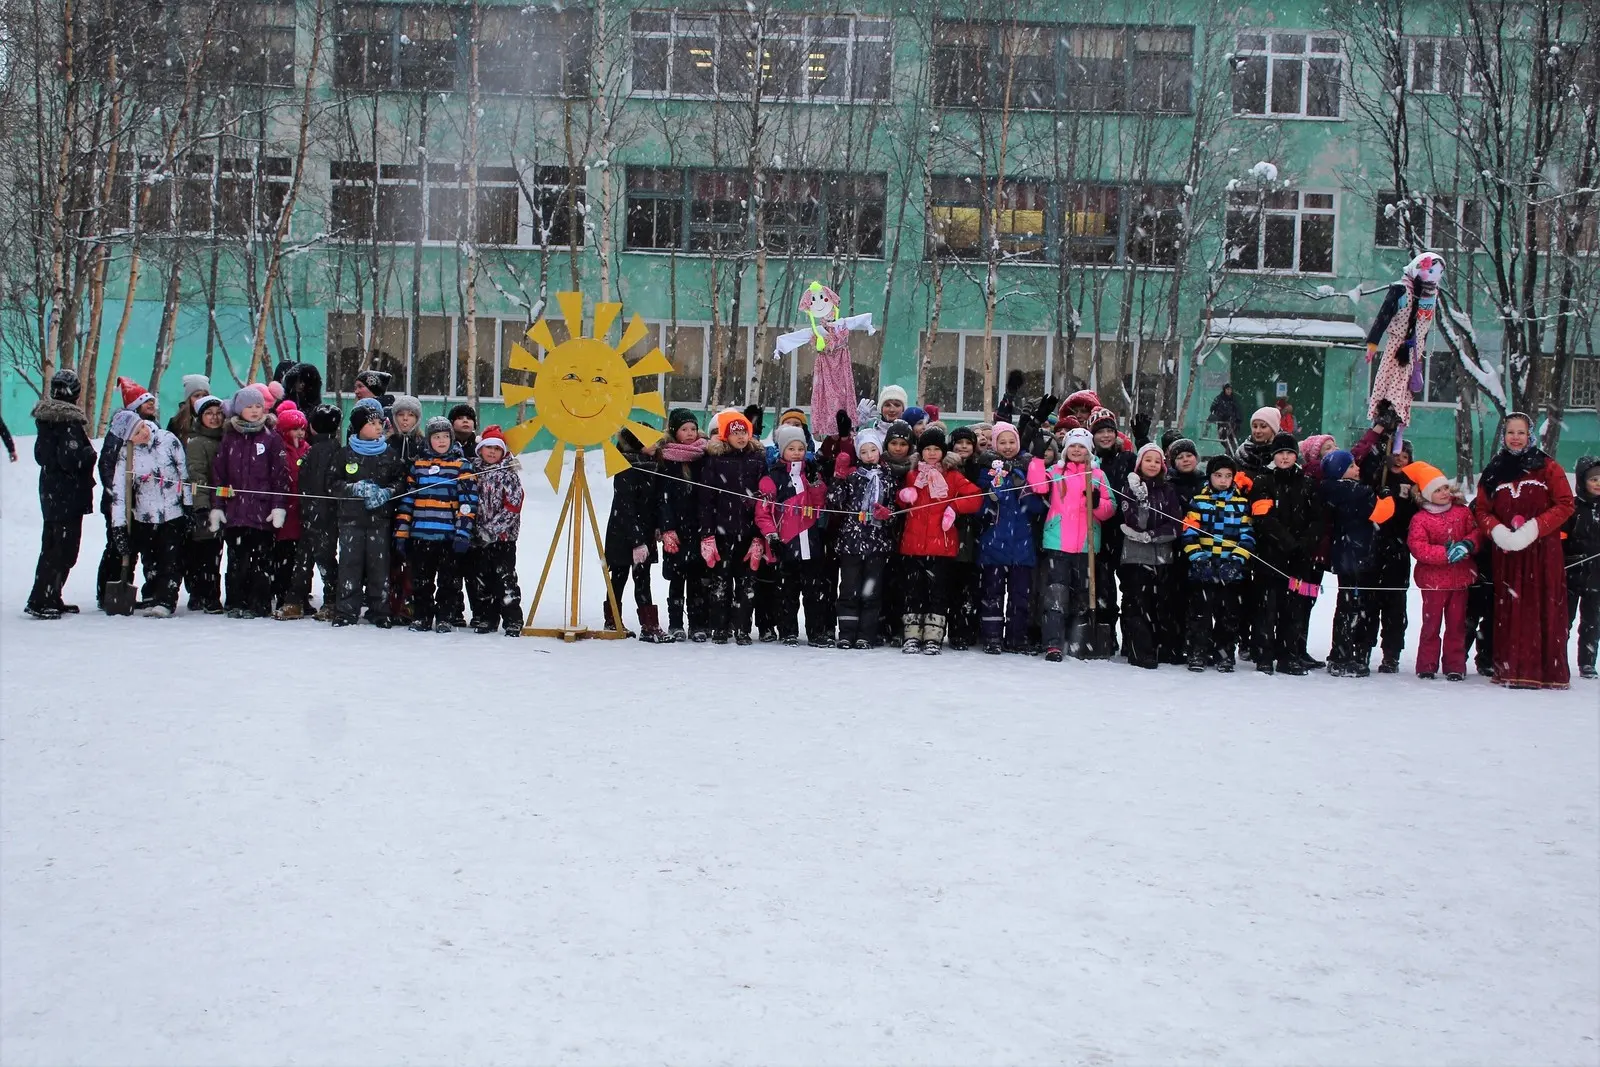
<point>583,388</point>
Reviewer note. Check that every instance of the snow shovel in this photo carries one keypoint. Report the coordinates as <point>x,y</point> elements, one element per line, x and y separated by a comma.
<point>120,597</point>
<point>1097,641</point>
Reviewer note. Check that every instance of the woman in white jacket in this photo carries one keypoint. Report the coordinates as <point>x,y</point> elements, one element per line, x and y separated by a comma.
<point>158,509</point>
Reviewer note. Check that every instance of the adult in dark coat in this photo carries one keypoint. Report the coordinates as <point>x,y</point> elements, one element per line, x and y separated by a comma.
<point>66,491</point>
<point>1581,546</point>
<point>1225,415</point>
<point>1151,514</point>
<point>1288,522</point>
<point>1523,500</point>
<point>678,502</point>
<point>632,529</point>
<point>730,481</point>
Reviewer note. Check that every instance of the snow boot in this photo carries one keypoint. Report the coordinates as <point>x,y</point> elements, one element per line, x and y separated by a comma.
<point>862,643</point>
<point>720,637</point>
<point>443,627</point>
<point>1264,667</point>
<point>157,611</point>
<point>382,622</point>
<point>1053,655</point>
<point>289,613</point>
<point>324,614</point>
<point>614,624</point>
<point>933,633</point>
<point>743,639</point>
<point>700,637</point>
<point>1588,672</point>
<point>650,626</point>
<point>677,634</point>
<point>769,636</point>
<point>1390,665</point>
<point>820,641</point>
<point>483,626</point>
<point>993,648</point>
<point>792,641</point>
<point>1292,667</point>
<point>1197,664</point>
<point>420,625</point>
<point>343,620</point>
<point>911,641</point>
<point>42,613</point>
<point>1429,675</point>
<point>1458,676</point>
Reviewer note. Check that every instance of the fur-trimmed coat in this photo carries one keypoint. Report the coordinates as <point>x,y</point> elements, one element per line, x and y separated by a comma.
<point>730,487</point>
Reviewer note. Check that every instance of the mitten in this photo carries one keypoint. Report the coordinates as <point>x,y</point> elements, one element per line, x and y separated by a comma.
<point>753,557</point>
<point>708,551</point>
<point>1244,482</point>
<point>1383,510</point>
<point>1372,350</point>
<point>669,541</point>
<point>908,495</point>
<point>1522,536</point>
<point>757,416</point>
<point>1260,507</point>
<point>640,554</point>
<point>866,412</point>
<point>1141,427</point>
<point>218,517</point>
<point>842,464</point>
<point>842,421</point>
<point>373,495</point>
<point>276,517</point>
<point>948,519</point>
<point>1457,551</point>
<point>881,513</point>
<point>1137,487</point>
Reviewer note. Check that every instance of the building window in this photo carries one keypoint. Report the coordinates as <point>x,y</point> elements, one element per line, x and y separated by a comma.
<point>250,43</point>
<point>803,212</point>
<point>1584,384</point>
<point>1289,75</point>
<point>231,196</point>
<point>1442,222</point>
<point>392,203</point>
<point>959,218</point>
<point>1096,225</point>
<point>1066,68</point>
<point>819,57</point>
<point>954,379</point>
<point>1439,65</point>
<point>434,367</point>
<point>424,47</point>
<point>1282,231</point>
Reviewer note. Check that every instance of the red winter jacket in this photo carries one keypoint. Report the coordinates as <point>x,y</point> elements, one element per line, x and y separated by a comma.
<point>1429,540</point>
<point>925,534</point>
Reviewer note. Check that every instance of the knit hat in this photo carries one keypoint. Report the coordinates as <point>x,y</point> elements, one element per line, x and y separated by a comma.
<point>1179,447</point>
<point>1083,398</point>
<point>199,404</point>
<point>376,381</point>
<point>405,402</point>
<point>325,420</point>
<point>1425,476</point>
<point>133,394</point>
<point>65,385</point>
<point>677,417</point>
<point>793,413</point>
<point>372,403</point>
<point>893,392</point>
<point>1102,419</point>
<point>438,424</point>
<point>361,415</point>
<point>290,417</point>
<point>1285,442</point>
<point>463,411</point>
<point>1078,436</point>
<point>784,435</point>
<point>933,412</point>
<point>196,383</point>
<point>933,439</point>
<point>250,394</point>
<point>271,393</point>
<point>122,424</point>
<point>1272,417</point>
<point>914,416</point>
<point>1336,463</point>
<point>964,433</point>
<point>1138,458</point>
<point>1221,462</point>
<point>868,436</point>
<point>898,429</point>
<point>979,427</point>
<point>1005,427</point>
<point>492,435</point>
<point>1311,447</point>
<point>728,419</point>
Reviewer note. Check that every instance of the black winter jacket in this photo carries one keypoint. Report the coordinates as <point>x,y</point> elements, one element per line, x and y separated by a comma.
<point>729,515</point>
<point>1350,528</point>
<point>350,467</point>
<point>635,512</point>
<point>1583,531</point>
<point>1288,533</point>
<point>66,461</point>
<point>316,471</point>
<point>864,538</point>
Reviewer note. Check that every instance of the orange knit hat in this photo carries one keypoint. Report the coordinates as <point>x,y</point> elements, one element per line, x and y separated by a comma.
<point>1426,477</point>
<point>726,420</point>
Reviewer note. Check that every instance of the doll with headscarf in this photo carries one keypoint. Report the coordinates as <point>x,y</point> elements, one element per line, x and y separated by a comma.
<point>1401,332</point>
<point>833,387</point>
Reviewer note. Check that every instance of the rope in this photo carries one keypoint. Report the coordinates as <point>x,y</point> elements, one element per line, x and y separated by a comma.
<point>225,491</point>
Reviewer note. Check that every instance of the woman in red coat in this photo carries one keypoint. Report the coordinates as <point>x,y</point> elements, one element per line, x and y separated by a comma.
<point>1523,498</point>
<point>930,541</point>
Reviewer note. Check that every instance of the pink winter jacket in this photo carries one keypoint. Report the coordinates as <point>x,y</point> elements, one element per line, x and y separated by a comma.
<point>1066,523</point>
<point>1429,539</point>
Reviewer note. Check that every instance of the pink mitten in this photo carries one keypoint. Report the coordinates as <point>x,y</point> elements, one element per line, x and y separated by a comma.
<point>1517,521</point>
<point>708,552</point>
<point>753,557</point>
<point>908,495</point>
<point>881,513</point>
<point>948,520</point>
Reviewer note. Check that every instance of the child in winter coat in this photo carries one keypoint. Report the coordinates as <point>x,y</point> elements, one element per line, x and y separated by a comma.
<point>899,457</point>
<point>291,579</point>
<point>1006,552</point>
<point>154,521</point>
<point>1581,544</point>
<point>1152,519</point>
<point>679,455</point>
<point>1444,535</point>
<point>1288,525</point>
<point>1217,540</point>
<point>366,474</point>
<point>406,443</point>
<point>251,473</point>
<point>731,548</point>
<point>433,524</point>
<point>1071,526</point>
<point>500,496</point>
<point>1389,567</point>
<point>202,564</point>
<point>934,495</point>
<point>865,543</point>
<point>789,519</point>
<point>1186,475</point>
<point>319,517</point>
<point>966,577</point>
<point>452,598</point>
<point>66,491</point>
<point>1352,510</point>
<point>631,533</point>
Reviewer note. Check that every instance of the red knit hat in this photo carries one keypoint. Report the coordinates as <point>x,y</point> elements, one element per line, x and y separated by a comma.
<point>290,417</point>
<point>133,394</point>
<point>491,435</point>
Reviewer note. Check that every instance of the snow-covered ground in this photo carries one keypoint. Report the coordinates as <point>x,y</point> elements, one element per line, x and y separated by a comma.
<point>255,843</point>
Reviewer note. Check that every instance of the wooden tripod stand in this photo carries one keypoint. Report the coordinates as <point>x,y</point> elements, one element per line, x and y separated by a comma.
<point>577,494</point>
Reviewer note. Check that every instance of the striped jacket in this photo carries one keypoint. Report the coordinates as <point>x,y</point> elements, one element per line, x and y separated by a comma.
<point>443,498</point>
<point>1217,538</point>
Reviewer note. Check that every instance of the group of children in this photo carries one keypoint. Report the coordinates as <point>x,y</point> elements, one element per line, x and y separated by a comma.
<point>1013,535</point>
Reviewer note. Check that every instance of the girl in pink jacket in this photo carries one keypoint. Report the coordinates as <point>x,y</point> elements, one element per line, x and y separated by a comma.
<point>1444,538</point>
<point>1069,526</point>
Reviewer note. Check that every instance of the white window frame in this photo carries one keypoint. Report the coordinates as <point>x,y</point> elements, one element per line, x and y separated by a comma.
<point>1272,56</point>
<point>1590,401</point>
<point>1428,204</point>
<point>504,327</point>
<point>527,221</point>
<point>1469,83</point>
<point>1300,211</point>
<point>961,409</point>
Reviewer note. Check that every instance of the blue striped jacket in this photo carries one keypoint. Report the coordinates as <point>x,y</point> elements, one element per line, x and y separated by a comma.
<point>1217,538</point>
<point>443,500</point>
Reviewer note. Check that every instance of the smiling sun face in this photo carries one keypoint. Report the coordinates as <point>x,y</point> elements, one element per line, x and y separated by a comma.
<point>582,389</point>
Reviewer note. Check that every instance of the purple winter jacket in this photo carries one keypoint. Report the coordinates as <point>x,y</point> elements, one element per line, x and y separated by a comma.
<point>255,461</point>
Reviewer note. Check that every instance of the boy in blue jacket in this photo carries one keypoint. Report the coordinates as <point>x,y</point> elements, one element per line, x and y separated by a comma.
<point>433,526</point>
<point>1006,549</point>
<point>1352,510</point>
<point>1217,541</point>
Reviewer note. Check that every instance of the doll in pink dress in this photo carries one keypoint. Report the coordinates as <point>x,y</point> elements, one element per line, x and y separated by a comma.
<point>832,382</point>
<point>1401,331</point>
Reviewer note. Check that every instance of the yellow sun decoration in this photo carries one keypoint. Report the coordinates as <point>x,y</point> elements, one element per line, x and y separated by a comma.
<point>582,388</point>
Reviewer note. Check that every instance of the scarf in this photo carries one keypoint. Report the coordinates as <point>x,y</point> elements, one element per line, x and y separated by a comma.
<point>930,476</point>
<point>241,426</point>
<point>1508,466</point>
<point>674,452</point>
<point>368,448</point>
